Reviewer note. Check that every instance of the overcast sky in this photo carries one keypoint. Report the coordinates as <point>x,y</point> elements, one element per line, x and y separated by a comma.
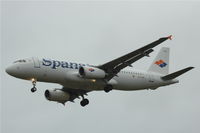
<point>97,32</point>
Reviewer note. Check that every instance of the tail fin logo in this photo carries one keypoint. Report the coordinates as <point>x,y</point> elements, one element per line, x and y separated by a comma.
<point>161,63</point>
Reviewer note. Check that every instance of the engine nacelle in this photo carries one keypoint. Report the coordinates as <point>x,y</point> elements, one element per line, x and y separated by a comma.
<point>57,95</point>
<point>91,72</point>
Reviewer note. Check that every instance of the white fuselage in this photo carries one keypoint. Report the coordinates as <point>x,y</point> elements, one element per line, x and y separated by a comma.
<point>67,74</point>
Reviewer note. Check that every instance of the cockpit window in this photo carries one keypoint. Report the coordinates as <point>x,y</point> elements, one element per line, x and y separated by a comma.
<point>20,61</point>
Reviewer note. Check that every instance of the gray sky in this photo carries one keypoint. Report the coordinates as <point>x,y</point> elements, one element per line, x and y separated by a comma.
<point>97,32</point>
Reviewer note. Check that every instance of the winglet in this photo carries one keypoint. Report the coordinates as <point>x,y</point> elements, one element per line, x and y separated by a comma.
<point>170,37</point>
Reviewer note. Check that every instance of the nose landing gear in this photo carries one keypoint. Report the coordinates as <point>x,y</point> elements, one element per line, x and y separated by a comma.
<point>84,102</point>
<point>34,84</point>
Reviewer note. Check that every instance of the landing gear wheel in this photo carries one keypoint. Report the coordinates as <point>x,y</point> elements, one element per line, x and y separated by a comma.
<point>34,84</point>
<point>84,102</point>
<point>108,88</point>
<point>33,89</point>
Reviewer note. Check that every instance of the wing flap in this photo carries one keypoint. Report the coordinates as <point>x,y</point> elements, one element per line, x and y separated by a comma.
<point>128,63</point>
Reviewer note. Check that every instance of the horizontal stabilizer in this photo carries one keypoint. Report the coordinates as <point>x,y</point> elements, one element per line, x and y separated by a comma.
<point>176,74</point>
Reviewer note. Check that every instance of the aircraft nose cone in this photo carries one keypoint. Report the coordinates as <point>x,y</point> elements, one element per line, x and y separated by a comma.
<point>10,70</point>
<point>16,71</point>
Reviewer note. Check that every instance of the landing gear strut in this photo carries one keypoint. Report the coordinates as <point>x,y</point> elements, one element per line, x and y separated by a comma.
<point>34,84</point>
<point>84,102</point>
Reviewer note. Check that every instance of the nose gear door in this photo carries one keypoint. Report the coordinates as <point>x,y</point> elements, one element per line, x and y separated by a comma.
<point>36,62</point>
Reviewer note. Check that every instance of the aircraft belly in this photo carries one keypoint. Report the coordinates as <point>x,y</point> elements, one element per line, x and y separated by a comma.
<point>84,85</point>
<point>131,83</point>
<point>73,80</point>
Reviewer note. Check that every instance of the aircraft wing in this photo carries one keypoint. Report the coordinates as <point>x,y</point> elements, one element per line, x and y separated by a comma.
<point>114,66</point>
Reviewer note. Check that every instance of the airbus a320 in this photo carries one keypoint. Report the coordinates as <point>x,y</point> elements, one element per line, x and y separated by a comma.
<point>78,79</point>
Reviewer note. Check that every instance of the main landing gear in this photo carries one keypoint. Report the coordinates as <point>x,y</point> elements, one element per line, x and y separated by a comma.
<point>108,88</point>
<point>84,101</point>
<point>34,84</point>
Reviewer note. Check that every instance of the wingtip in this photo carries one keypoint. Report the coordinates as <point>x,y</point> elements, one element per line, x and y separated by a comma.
<point>170,37</point>
<point>191,67</point>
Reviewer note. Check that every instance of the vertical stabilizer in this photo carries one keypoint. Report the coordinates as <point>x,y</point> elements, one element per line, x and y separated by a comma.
<point>161,62</point>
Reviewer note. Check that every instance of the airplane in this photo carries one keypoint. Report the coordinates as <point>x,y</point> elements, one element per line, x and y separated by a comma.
<point>78,79</point>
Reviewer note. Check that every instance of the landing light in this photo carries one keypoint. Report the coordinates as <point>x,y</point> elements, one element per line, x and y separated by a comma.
<point>93,80</point>
<point>33,79</point>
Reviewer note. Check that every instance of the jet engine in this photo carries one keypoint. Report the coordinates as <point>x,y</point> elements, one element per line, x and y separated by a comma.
<point>57,95</point>
<point>91,72</point>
